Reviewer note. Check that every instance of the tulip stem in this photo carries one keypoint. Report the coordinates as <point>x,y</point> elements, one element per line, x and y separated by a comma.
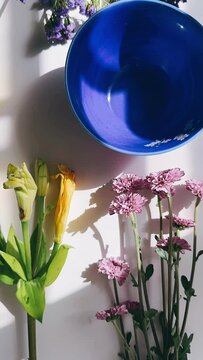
<point>40,221</point>
<point>31,326</point>
<point>26,239</point>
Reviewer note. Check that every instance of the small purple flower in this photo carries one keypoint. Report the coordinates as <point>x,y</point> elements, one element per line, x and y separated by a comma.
<point>177,243</point>
<point>81,5</point>
<point>114,268</point>
<point>90,10</point>
<point>69,31</point>
<point>127,183</point>
<point>112,313</point>
<point>127,203</point>
<point>162,182</point>
<point>71,4</point>
<point>196,188</point>
<point>132,306</point>
<point>181,223</point>
<point>59,29</point>
<point>61,11</point>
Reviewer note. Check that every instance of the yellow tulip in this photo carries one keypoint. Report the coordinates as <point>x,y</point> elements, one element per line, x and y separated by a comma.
<point>25,188</point>
<point>67,187</point>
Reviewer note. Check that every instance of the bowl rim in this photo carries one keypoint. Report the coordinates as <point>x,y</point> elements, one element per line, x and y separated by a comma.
<point>191,136</point>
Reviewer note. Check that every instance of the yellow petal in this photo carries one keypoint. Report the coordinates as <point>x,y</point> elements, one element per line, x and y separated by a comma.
<point>67,187</point>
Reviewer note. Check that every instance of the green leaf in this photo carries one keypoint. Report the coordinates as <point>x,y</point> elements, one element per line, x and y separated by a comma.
<point>128,337</point>
<point>162,253</point>
<point>15,247</point>
<point>7,276</point>
<point>134,282</point>
<point>149,272</point>
<point>41,256</point>
<point>14,264</point>
<point>189,291</point>
<point>138,319</point>
<point>31,295</point>
<point>185,346</point>
<point>151,313</point>
<point>122,356</point>
<point>56,265</point>
<point>185,283</point>
<point>199,254</point>
<point>2,242</point>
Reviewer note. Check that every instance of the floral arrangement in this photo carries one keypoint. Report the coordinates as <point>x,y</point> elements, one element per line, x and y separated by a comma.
<point>163,331</point>
<point>28,264</point>
<point>58,15</point>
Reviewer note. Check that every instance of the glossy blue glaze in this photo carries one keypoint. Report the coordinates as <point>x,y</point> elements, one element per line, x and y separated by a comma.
<point>134,76</point>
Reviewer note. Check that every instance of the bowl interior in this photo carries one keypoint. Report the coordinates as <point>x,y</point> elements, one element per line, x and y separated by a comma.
<point>134,76</point>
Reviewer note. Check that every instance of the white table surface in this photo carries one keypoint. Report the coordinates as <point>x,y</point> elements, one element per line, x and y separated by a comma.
<point>36,121</point>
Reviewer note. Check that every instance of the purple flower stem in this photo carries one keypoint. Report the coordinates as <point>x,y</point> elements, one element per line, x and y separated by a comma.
<point>170,258</point>
<point>118,330</point>
<point>139,272</point>
<point>177,292</point>
<point>136,342</point>
<point>121,320</point>
<point>194,255</point>
<point>162,263</point>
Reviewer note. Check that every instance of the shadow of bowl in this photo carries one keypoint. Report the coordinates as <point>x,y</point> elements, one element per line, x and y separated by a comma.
<point>46,128</point>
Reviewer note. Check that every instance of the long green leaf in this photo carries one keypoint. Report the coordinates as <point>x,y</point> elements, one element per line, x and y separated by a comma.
<point>7,276</point>
<point>56,265</point>
<point>14,264</point>
<point>31,295</point>
<point>2,242</point>
<point>15,247</point>
<point>40,262</point>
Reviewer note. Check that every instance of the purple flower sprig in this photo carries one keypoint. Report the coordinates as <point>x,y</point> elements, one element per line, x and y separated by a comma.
<point>113,313</point>
<point>178,244</point>
<point>114,268</point>
<point>180,223</point>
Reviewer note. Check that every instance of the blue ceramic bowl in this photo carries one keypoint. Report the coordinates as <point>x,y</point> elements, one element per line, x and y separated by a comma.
<point>134,76</point>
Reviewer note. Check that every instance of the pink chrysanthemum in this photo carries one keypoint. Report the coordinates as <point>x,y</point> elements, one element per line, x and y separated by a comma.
<point>127,203</point>
<point>162,182</point>
<point>112,313</point>
<point>177,243</point>
<point>181,223</point>
<point>196,188</point>
<point>114,268</point>
<point>127,183</point>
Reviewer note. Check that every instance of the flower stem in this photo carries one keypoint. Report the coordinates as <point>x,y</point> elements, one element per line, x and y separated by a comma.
<point>151,320</point>
<point>139,270</point>
<point>170,259</point>
<point>121,320</point>
<point>162,260</point>
<point>40,221</point>
<point>177,287</point>
<point>31,325</point>
<point>133,356</point>
<point>136,341</point>
<point>26,239</point>
<point>194,255</point>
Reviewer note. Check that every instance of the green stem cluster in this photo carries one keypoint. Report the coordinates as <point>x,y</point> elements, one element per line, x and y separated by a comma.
<point>31,322</point>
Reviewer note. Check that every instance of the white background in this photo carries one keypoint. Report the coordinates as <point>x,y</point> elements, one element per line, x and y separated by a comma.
<point>36,121</point>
